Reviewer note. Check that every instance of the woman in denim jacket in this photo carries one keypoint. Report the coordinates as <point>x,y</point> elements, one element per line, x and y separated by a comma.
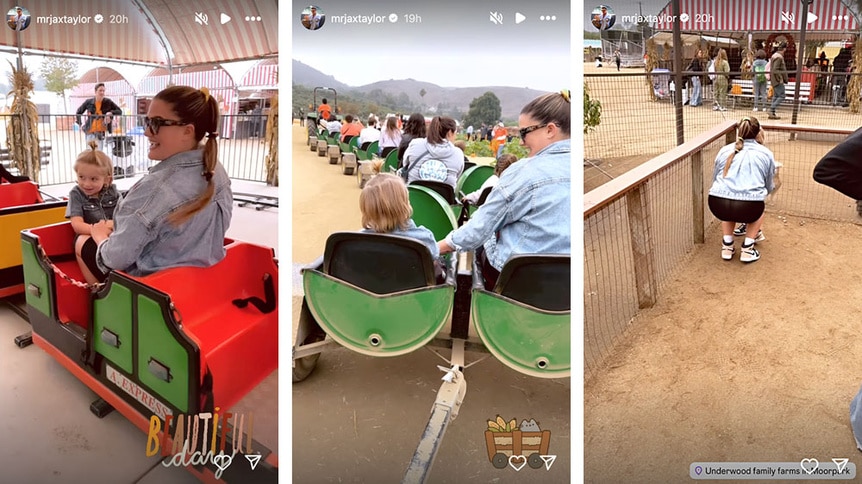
<point>529,211</point>
<point>743,176</point>
<point>177,215</point>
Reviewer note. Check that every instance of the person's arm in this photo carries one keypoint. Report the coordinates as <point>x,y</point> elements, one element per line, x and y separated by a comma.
<point>487,220</point>
<point>80,227</point>
<point>841,168</point>
<point>80,111</point>
<point>114,109</point>
<point>136,230</point>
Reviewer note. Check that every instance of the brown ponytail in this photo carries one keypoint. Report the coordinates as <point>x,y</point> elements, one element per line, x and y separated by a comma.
<point>196,107</point>
<point>747,128</point>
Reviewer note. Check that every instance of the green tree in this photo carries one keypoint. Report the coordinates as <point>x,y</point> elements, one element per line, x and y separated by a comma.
<point>59,74</point>
<point>483,109</point>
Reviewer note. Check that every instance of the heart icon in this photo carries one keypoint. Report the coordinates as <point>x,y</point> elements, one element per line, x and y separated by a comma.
<point>809,465</point>
<point>222,461</point>
<point>517,462</point>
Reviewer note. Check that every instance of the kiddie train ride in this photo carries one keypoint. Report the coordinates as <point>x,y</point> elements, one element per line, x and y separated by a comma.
<point>378,295</point>
<point>181,342</point>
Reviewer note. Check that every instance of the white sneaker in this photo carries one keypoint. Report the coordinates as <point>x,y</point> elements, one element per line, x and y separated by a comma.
<point>715,107</point>
<point>754,110</point>
<point>726,251</point>
<point>749,254</point>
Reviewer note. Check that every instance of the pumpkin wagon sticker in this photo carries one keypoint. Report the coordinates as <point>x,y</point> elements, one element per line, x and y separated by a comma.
<point>517,446</point>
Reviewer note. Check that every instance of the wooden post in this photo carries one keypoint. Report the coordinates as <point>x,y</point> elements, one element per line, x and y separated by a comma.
<point>642,253</point>
<point>697,196</point>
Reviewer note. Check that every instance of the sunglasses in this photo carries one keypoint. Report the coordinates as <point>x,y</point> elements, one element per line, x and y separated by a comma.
<point>529,129</point>
<point>154,124</point>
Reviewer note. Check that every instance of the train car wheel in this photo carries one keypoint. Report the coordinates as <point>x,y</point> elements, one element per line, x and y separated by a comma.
<point>24,340</point>
<point>500,461</point>
<point>535,461</point>
<point>101,408</point>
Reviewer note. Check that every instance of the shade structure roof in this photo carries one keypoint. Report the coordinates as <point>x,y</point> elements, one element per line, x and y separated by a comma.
<point>155,32</point>
<point>828,19</point>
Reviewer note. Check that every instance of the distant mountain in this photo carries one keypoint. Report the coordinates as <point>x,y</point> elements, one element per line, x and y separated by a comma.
<point>310,77</point>
<point>512,99</point>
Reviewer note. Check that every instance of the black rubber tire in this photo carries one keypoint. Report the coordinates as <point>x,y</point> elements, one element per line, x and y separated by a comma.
<point>535,461</point>
<point>500,461</point>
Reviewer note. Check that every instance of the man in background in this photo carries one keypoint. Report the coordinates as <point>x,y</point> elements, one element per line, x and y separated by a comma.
<point>778,78</point>
<point>100,112</point>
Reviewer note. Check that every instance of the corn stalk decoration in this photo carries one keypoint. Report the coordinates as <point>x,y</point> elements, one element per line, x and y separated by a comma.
<point>854,87</point>
<point>651,63</point>
<point>22,136</point>
<point>272,143</point>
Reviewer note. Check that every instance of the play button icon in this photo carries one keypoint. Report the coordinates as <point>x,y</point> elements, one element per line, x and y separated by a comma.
<point>224,18</point>
<point>519,17</point>
<point>811,18</point>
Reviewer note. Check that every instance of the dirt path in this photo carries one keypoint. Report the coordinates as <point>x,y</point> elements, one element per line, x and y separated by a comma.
<point>359,419</point>
<point>752,363</point>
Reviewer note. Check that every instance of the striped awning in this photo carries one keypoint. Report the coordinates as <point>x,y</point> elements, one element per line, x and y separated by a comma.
<point>759,16</point>
<point>156,32</point>
<point>263,75</point>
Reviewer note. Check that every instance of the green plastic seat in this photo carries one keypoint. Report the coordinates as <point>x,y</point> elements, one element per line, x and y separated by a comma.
<point>525,322</point>
<point>378,294</point>
<point>431,211</point>
<point>473,178</point>
<point>390,165</point>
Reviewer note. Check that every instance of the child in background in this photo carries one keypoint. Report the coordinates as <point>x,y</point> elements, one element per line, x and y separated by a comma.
<point>386,209</point>
<point>92,200</point>
<point>505,161</point>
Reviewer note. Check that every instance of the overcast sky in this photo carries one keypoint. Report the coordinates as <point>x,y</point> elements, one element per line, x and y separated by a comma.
<point>455,45</point>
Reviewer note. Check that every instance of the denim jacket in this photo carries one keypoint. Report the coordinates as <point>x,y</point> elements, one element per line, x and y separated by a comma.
<point>93,209</point>
<point>751,173</point>
<point>419,233</point>
<point>144,241</point>
<point>526,213</point>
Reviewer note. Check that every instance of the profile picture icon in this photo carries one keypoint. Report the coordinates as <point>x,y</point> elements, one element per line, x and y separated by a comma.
<point>18,18</point>
<point>312,17</point>
<point>603,17</point>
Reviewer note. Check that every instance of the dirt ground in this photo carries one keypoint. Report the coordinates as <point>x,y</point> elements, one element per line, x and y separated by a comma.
<point>749,363</point>
<point>359,419</point>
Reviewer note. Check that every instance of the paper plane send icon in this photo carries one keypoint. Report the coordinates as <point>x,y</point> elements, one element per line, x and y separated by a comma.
<point>840,463</point>
<point>253,460</point>
<point>549,460</point>
<point>225,18</point>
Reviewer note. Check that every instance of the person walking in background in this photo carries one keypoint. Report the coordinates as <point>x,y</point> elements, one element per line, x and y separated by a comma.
<point>100,111</point>
<point>760,80</point>
<point>617,59</point>
<point>742,178</point>
<point>696,66</point>
<point>778,78</point>
<point>722,68</point>
<point>499,140</point>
